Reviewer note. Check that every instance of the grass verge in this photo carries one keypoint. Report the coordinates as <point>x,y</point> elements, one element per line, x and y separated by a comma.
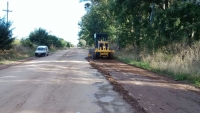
<point>176,76</point>
<point>19,52</point>
<point>173,66</point>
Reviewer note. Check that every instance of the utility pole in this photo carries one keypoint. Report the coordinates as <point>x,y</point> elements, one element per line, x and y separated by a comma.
<point>7,11</point>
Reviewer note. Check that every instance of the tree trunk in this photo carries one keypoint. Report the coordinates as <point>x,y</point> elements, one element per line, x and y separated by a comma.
<point>166,4</point>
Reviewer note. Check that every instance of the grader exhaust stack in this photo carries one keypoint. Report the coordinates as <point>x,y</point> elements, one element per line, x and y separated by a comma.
<point>102,48</point>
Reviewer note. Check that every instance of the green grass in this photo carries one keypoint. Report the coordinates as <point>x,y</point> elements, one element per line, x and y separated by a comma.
<point>175,76</point>
<point>7,58</point>
<point>195,80</point>
<point>177,61</point>
<point>140,64</point>
<point>19,52</point>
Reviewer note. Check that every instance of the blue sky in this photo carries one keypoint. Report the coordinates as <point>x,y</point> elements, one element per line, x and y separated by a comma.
<point>59,17</point>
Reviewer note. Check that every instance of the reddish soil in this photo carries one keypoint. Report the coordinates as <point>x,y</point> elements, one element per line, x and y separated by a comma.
<point>148,92</point>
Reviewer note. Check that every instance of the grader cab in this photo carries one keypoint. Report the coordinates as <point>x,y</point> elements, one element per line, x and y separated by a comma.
<point>102,48</point>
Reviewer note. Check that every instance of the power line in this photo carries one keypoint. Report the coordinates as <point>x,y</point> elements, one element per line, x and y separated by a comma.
<point>7,11</point>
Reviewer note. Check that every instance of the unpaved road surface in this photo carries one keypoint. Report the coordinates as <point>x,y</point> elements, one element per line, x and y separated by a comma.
<point>63,82</point>
<point>149,92</point>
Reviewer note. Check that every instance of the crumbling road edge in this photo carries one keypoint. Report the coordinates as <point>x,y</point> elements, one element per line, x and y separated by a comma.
<point>119,88</point>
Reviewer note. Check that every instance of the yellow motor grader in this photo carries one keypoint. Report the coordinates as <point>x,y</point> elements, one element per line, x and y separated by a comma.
<point>101,47</point>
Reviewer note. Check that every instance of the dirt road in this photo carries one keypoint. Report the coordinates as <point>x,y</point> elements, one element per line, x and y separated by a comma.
<point>149,92</point>
<point>63,82</point>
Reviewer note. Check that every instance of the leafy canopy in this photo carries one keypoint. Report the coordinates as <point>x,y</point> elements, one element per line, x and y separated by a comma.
<point>6,38</point>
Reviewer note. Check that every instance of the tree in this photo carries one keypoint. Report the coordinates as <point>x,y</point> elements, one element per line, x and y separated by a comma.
<point>6,38</point>
<point>60,43</point>
<point>26,42</point>
<point>39,36</point>
<point>69,45</point>
<point>97,20</point>
<point>142,23</point>
<point>82,43</point>
<point>52,40</point>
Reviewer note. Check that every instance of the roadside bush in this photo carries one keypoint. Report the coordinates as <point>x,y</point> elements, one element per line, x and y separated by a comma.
<point>16,53</point>
<point>26,42</point>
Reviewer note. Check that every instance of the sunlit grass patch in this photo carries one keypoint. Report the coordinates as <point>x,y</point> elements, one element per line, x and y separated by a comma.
<point>17,53</point>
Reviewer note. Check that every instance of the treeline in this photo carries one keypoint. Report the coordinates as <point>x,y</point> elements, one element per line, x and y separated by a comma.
<point>39,36</point>
<point>142,23</point>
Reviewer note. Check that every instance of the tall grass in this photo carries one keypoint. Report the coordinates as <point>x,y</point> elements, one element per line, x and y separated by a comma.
<point>18,52</point>
<point>176,60</point>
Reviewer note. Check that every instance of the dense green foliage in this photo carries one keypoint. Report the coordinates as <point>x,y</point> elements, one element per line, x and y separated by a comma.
<point>142,23</point>
<point>82,43</point>
<point>41,37</point>
<point>26,42</point>
<point>158,35</point>
<point>6,38</point>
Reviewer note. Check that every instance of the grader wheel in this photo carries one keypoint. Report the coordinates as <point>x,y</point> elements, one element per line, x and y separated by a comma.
<point>90,53</point>
<point>93,55</point>
<point>111,55</point>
